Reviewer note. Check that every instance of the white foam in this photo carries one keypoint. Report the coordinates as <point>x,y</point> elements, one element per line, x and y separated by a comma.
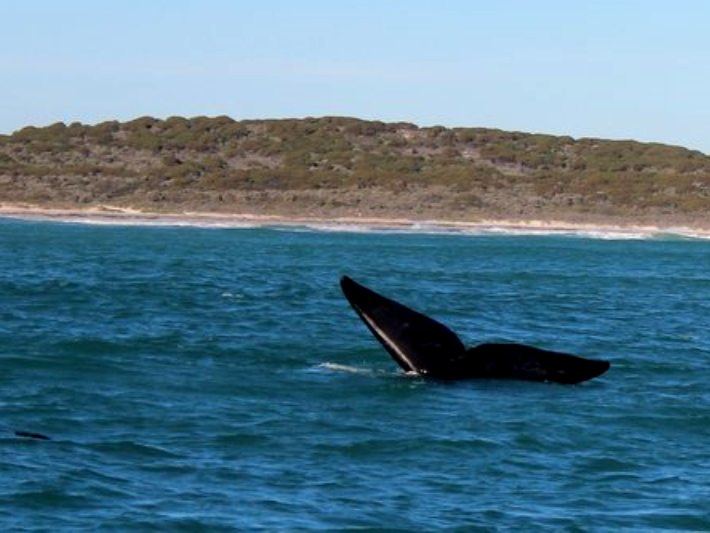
<point>347,369</point>
<point>336,367</point>
<point>354,225</point>
<point>343,368</point>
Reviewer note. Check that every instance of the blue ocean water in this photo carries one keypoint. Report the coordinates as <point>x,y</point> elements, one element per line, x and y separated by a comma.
<point>199,379</point>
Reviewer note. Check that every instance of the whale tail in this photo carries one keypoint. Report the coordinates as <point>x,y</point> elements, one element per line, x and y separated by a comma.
<point>421,344</point>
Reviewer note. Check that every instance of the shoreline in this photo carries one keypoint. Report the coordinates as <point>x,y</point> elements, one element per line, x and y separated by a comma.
<point>115,215</point>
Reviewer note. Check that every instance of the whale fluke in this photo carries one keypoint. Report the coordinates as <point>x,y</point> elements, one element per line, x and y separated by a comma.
<point>421,344</point>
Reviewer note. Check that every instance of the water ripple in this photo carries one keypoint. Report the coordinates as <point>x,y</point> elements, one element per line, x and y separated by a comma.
<point>216,380</point>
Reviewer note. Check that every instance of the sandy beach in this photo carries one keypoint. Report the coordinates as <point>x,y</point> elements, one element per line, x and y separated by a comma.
<point>107,214</point>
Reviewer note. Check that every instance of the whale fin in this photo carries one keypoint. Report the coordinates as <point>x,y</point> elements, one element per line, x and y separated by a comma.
<point>418,343</point>
<point>31,435</point>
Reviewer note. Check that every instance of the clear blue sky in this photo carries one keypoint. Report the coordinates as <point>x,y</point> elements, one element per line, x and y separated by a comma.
<point>635,69</point>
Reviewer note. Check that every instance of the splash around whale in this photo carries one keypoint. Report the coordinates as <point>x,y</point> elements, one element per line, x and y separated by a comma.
<point>421,344</point>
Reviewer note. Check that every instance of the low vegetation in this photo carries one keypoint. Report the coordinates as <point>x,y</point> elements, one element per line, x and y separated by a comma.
<point>357,165</point>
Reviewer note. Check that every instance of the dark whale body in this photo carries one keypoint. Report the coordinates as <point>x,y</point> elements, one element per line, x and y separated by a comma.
<point>421,344</point>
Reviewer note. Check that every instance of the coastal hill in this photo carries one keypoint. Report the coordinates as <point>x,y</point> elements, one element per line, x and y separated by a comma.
<point>336,166</point>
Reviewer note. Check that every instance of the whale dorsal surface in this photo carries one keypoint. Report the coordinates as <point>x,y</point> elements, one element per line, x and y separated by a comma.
<point>421,344</point>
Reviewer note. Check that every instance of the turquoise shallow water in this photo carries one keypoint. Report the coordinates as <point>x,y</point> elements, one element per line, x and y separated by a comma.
<point>215,380</point>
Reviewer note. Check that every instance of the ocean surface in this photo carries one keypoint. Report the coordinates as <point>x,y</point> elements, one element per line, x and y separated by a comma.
<point>212,379</point>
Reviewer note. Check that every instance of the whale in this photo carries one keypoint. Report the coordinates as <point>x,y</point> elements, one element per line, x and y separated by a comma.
<point>424,346</point>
